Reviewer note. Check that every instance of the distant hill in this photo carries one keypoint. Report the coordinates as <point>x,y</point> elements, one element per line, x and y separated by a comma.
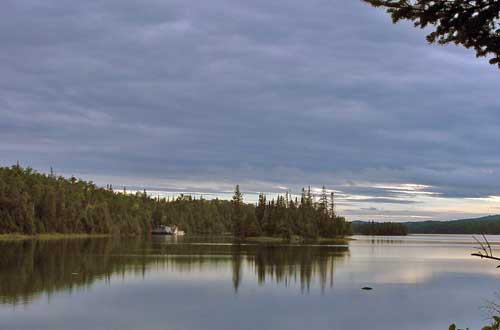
<point>485,225</point>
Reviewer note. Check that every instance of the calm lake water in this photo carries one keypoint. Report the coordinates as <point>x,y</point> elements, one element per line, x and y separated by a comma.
<point>419,282</point>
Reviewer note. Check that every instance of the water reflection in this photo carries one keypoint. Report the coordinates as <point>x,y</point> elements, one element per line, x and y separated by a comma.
<point>29,269</point>
<point>292,263</point>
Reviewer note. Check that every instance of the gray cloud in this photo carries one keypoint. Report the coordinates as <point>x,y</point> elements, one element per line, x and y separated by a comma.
<point>382,200</point>
<point>282,93</point>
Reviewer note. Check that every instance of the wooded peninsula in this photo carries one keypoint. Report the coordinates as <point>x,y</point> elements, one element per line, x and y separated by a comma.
<point>33,203</point>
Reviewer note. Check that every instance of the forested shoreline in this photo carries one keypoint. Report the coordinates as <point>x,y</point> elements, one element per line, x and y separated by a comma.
<point>379,228</point>
<point>34,203</point>
<point>489,225</point>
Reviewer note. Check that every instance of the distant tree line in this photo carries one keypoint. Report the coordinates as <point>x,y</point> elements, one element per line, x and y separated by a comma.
<point>489,225</point>
<point>35,203</point>
<point>486,225</point>
<point>379,228</point>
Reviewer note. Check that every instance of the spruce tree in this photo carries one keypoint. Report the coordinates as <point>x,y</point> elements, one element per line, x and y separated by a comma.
<point>238,216</point>
<point>472,24</point>
<point>260,211</point>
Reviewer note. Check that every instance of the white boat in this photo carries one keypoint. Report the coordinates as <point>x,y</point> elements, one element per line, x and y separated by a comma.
<point>167,230</point>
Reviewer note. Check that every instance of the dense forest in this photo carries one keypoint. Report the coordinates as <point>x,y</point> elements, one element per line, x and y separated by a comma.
<point>379,228</point>
<point>485,225</point>
<point>35,203</point>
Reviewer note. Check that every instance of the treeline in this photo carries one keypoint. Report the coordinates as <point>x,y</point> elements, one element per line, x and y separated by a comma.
<point>485,225</point>
<point>489,225</point>
<point>35,203</point>
<point>286,217</point>
<point>379,228</point>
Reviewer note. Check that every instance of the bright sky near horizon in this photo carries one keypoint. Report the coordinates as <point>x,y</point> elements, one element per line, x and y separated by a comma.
<point>188,96</point>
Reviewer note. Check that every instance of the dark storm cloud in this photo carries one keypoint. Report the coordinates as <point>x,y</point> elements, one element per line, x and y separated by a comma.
<point>281,93</point>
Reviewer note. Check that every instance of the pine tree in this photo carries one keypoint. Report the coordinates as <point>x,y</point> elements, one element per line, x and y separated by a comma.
<point>238,216</point>
<point>260,211</point>
<point>472,24</point>
<point>323,201</point>
<point>332,206</point>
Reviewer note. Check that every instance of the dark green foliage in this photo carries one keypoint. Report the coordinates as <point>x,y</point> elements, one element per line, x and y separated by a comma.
<point>242,218</point>
<point>197,216</point>
<point>33,203</point>
<point>472,24</point>
<point>286,217</point>
<point>379,228</point>
<point>495,325</point>
<point>485,225</point>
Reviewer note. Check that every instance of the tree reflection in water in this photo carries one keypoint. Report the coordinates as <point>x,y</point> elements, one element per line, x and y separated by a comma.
<point>29,269</point>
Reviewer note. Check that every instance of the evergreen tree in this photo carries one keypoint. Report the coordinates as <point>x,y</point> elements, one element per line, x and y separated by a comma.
<point>238,216</point>
<point>332,206</point>
<point>260,211</point>
<point>472,24</point>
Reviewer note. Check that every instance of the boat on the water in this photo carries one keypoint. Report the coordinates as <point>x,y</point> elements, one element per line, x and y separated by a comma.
<point>167,230</point>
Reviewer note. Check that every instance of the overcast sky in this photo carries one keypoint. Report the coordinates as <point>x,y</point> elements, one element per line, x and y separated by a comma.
<point>196,96</point>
